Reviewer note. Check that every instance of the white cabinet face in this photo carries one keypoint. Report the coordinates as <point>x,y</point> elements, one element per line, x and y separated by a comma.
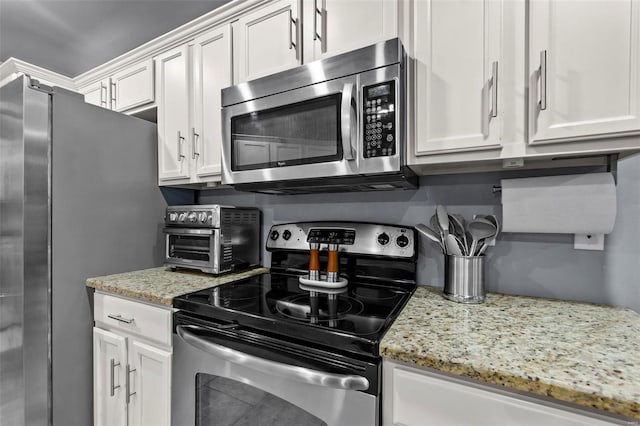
<point>150,385</point>
<point>173,111</point>
<point>97,93</point>
<point>457,66</point>
<point>109,363</point>
<point>133,86</point>
<point>584,69</point>
<point>344,25</point>
<point>212,73</point>
<point>268,40</point>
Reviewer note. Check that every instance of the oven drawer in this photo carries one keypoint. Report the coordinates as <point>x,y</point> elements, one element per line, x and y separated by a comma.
<point>149,322</point>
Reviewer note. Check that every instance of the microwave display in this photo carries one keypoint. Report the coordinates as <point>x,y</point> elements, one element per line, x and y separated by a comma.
<point>379,125</point>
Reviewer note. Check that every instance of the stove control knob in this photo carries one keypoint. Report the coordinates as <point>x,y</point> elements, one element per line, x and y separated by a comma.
<point>274,235</point>
<point>202,217</point>
<point>286,234</point>
<point>193,217</point>
<point>383,239</point>
<point>182,217</point>
<point>402,241</point>
<point>173,217</point>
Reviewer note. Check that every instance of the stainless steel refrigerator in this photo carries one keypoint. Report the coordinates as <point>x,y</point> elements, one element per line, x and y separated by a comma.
<point>78,198</point>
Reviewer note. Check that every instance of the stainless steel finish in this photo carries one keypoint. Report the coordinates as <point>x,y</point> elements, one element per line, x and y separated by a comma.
<point>366,240</point>
<point>112,366</point>
<point>293,44</point>
<point>70,172</point>
<point>194,147</point>
<point>128,393</point>
<point>543,80</point>
<point>299,374</point>
<point>494,89</point>
<point>188,231</point>
<point>323,28</point>
<point>368,58</point>
<point>180,140</point>
<point>121,318</point>
<point>349,127</point>
<point>335,407</point>
<point>316,36</point>
<point>464,279</point>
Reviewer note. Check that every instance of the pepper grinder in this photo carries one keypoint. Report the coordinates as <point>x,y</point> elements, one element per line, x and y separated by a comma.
<point>314,261</point>
<point>332,264</point>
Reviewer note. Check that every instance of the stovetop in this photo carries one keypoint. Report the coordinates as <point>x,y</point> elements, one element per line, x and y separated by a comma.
<point>353,319</point>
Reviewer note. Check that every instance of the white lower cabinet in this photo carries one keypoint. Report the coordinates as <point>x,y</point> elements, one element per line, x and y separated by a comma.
<point>415,397</point>
<point>131,363</point>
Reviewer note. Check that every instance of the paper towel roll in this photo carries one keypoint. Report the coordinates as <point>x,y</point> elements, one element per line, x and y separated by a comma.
<point>571,204</point>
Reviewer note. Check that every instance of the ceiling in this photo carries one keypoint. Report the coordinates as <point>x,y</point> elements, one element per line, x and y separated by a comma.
<point>74,36</point>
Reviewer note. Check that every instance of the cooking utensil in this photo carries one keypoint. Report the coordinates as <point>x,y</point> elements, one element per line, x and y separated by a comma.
<point>456,223</point>
<point>479,229</point>
<point>431,234</point>
<point>487,242</point>
<point>454,245</point>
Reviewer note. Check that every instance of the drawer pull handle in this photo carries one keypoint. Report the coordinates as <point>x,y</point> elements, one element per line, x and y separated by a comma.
<point>113,365</point>
<point>121,319</point>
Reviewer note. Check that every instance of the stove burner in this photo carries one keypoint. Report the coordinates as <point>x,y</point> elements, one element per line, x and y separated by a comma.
<point>367,293</point>
<point>235,296</point>
<point>316,309</point>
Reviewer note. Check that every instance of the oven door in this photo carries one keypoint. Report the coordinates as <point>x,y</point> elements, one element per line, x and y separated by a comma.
<point>226,376</point>
<point>304,133</point>
<point>193,248</point>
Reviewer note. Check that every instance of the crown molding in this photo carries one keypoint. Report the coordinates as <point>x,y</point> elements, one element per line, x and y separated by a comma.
<point>176,37</point>
<point>12,68</point>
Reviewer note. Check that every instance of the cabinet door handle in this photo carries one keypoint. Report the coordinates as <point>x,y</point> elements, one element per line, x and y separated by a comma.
<point>103,94</point>
<point>494,89</point>
<point>292,44</point>
<point>322,36</point>
<point>113,95</point>
<point>128,383</point>
<point>180,140</point>
<point>112,365</point>
<point>194,145</point>
<point>121,318</point>
<point>543,80</point>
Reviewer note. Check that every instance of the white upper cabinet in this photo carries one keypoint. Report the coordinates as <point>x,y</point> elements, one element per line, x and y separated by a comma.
<point>337,26</point>
<point>172,73</point>
<point>132,86</point>
<point>584,69</point>
<point>98,93</point>
<point>212,71</point>
<point>458,63</point>
<point>268,40</point>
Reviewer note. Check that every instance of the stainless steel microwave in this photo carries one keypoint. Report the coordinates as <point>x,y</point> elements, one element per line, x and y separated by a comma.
<point>332,125</point>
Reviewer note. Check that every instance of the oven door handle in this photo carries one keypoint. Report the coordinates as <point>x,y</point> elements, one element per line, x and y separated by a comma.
<point>188,231</point>
<point>300,374</point>
<point>346,121</point>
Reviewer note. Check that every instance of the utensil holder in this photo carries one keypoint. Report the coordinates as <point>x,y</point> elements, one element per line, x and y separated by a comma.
<point>464,278</point>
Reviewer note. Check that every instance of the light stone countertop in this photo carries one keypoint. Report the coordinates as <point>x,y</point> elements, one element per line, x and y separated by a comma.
<point>161,285</point>
<point>580,353</point>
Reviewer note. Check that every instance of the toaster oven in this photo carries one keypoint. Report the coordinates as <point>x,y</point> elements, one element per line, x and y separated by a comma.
<point>212,238</point>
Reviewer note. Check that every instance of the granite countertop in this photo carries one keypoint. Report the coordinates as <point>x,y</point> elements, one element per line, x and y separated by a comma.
<point>581,353</point>
<point>161,285</point>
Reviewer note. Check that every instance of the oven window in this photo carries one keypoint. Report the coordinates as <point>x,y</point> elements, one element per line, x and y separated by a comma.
<point>189,247</point>
<point>224,402</point>
<point>302,133</point>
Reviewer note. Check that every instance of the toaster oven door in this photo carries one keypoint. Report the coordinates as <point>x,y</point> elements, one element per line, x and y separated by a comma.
<point>193,248</point>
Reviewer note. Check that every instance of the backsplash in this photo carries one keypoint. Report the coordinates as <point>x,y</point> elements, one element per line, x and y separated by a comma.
<point>542,265</point>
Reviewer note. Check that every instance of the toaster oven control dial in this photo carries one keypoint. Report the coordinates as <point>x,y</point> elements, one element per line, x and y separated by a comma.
<point>182,217</point>
<point>193,217</point>
<point>202,217</point>
<point>173,217</point>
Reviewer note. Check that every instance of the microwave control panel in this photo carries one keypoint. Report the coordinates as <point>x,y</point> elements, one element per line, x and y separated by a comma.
<point>379,124</point>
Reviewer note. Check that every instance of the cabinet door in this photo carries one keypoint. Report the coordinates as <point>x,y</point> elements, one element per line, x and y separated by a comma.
<point>149,385</point>
<point>584,69</point>
<point>109,363</point>
<point>457,65</point>
<point>211,73</point>
<point>268,40</point>
<point>133,86</point>
<point>173,113</point>
<point>339,26</point>
<point>97,93</point>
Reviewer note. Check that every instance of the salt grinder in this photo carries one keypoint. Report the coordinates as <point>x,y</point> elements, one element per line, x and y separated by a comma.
<point>332,264</point>
<point>314,261</point>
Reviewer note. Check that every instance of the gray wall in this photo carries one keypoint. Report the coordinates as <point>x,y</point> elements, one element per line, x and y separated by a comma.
<point>543,265</point>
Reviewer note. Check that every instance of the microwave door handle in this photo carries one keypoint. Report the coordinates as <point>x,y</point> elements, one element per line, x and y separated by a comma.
<point>346,118</point>
<point>300,374</point>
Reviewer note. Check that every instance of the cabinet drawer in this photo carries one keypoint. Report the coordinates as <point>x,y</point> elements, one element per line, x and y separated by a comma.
<point>151,323</point>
